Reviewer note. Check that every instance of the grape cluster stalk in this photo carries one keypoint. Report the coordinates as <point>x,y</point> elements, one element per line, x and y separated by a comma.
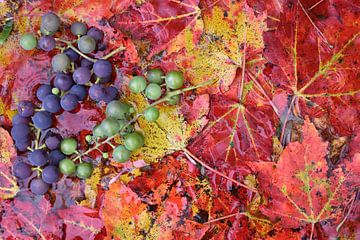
<point>78,77</point>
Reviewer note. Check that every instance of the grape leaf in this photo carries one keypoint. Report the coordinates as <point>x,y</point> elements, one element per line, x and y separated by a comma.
<point>8,185</point>
<point>301,189</point>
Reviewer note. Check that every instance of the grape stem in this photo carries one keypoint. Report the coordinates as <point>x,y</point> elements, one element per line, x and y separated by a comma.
<point>119,49</point>
<point>166,98</point>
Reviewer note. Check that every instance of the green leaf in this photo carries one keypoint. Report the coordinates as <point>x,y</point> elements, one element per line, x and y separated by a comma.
<point>6,31</point>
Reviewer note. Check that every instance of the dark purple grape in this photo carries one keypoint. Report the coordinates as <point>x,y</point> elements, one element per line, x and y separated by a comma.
<point>43,91</point>
<point>38,186</point>
<point>42,120</point>
<point>50,22</point>
<point>17,119</point>
<point>38,157</point>
<point>82,75</point>
<point>80,91</point>
<point>22,145</point>
<point>97,92</point>
<point>111,94</point>
<point>21,170</point>
<point>78,28</point>
<point>101,47</point>
<point>96,34</point>
<point>20,132</point>
<point>26,108</point>
<point>50,174</point>
<point>102,68</point>
<point>86,63</point>
<point>47,43</point>
<point>51,104</point>
<point>74,56</point>
<point>63,81</point>
<point>53,141</point>
<point>55,157</point>
<point>69,102</point>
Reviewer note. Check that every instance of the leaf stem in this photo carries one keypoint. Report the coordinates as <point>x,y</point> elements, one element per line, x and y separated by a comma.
<point>224,217</point>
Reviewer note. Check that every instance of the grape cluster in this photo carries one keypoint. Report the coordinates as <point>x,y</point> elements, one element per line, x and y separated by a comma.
<point>78,77</point>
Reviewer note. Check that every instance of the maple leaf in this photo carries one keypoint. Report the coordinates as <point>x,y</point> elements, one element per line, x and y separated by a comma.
<point>301,189</point>
<point>29,217</point>
<point>8,185</point>
<point>314,60</point>
<point>81,222</point>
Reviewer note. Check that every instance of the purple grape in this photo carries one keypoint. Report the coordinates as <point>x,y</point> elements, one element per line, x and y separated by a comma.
<point>97,92</point>
<point>96,34</point>
<point>102,68</point>
<point>26,108</point>
<point>69,102</point>
<point>80,91</point>
<point>51,104</point>
<point>53,141</point>
<point>55,157</point>
<point>43,91</point>
<point>50,22</point>
<point>21,170</point>
<point>72,54</point>
<point>111,94</point>
<point>78,28</point>
<point>20,132</point>
<point>22,145</point>
<point>38,186</point>
<point>63,81</point>
<point>38,157</point>
<point>82,75</point>
<point>50,174</point>
<point>17,119</point>
<point>86,63</point>
<point>101,47</point>
<point>42,120</point>
<point>47,43</point>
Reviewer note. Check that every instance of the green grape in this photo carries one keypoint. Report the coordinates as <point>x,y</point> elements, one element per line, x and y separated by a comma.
<point>127,130</point>
<point>118,110</point>
<point>110,126</point>
<point>86,44</point>
<point>174,100</point>
<point>60,62</point>
<point>153,91</point>
<point>88,138</point>
<point>67,166</point>
<point>84,170</point>
<point>55,91</point>
<point>121,154</point>
<point>105,155</point>
<point>137,84</point>
<point>78,28</point>
<point>28,41</point>
<point>98,132</point>
<point>155,76</point>
<point>68,146</point>
<point>134,141</point>
<point>174,80</point>
<point>151,114</point>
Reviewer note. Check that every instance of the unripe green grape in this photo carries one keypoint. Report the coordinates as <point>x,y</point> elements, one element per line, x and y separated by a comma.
<point>134,141</point>
<point>98,132</point>
<point>137,84</point>
<point>84,170</point>
<point>60,62</point>
<point>110,126</point>
<point>28,41</point>
<point>174,100</point>
<point>153,91</point>
<point>67,166</point>
<point>121,154</point>
<point>127,130</point>
<point>118,110</point>
<point>88,138</point>
<point>55,91</point>
<point>86,44</point>
<point>174,80</point>
<point>151,114</point>
<point>155,76</point>
<point>105,155</point>
<point>68,146</point>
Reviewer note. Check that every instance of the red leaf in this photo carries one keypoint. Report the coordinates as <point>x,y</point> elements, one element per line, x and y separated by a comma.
<point>301,189</point>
